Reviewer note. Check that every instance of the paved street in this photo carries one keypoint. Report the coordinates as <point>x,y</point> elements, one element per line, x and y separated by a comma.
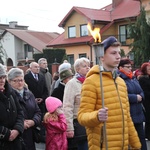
<point>148,145</point>
<point>41,146</point>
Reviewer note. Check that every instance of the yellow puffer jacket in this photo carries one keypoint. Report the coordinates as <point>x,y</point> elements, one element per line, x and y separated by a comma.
<point>120,130</point>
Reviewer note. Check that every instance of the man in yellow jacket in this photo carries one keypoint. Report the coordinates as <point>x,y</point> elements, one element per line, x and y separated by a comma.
<point>104,108</point>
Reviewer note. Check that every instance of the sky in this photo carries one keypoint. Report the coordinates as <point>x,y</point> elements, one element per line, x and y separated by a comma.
<point>43,15</point>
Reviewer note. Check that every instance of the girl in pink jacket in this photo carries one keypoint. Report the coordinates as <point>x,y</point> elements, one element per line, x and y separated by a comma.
<point>55,124</point>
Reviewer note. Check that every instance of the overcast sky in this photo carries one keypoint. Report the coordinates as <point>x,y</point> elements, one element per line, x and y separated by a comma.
<point>43,15</point>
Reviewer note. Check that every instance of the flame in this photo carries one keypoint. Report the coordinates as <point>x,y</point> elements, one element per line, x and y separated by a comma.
<point>95,33</point>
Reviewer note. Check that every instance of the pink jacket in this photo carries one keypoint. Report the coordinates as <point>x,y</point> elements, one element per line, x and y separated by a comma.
<point>56,138</point>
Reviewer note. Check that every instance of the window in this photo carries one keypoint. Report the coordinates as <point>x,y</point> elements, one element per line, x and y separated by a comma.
<point>71,59</point>
<point>83,30</point>
<point>124,34</point>
<point>27,48</point>
<point>82,55</point>
<point>71,32</point>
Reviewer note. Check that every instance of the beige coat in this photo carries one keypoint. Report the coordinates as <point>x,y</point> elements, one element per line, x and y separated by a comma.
<point>71,101</point>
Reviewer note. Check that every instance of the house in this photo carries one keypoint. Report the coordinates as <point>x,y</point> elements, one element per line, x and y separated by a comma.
<point>12,25</point>
<point>20,45</point>
<point>112,20</point>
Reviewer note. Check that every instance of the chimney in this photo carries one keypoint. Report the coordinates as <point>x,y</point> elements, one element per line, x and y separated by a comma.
<point>12,24</point>
<point>115,3</point>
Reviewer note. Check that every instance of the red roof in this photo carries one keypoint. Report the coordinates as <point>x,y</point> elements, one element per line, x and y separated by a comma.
<point>108,15</point>
<point>64,42</point>
<point>126,9</point>
<point>38,40</point>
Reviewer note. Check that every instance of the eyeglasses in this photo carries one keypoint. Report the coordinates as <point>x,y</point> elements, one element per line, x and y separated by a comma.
<point>17,81</point>
<point>128,66</point>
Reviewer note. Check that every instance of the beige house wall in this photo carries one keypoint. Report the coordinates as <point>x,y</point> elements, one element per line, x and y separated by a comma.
<point>76,50</point>
<point>75,20</point>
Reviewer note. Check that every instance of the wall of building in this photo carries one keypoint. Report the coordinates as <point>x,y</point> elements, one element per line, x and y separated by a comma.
<point>8,44</point>
<point>75,20</point>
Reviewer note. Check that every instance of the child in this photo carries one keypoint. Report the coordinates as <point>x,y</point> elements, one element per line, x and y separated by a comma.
<point>55,124</point>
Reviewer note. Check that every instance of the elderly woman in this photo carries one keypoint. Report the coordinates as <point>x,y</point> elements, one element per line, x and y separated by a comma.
<point>30,108</point>
<point>71,102</point>
<point>11,118</point>
<point>136,98</point>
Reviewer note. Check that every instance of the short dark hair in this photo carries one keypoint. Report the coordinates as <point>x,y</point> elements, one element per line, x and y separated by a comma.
<point>124,61</point>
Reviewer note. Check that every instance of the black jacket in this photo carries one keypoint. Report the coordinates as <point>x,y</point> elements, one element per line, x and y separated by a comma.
<point>11,117</point>
<point>59,91</point>
<point>31,111</point>
<point>38,88</point>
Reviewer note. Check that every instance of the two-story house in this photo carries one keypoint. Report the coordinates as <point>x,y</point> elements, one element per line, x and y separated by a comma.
<point>112,20</point>
<point>19,45</point>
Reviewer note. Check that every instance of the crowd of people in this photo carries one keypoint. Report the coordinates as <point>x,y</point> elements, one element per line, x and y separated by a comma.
<point>80,107</point>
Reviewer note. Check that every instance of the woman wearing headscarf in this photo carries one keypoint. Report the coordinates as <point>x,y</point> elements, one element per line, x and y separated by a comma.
<point>30,108</point>
<point>11,118</point>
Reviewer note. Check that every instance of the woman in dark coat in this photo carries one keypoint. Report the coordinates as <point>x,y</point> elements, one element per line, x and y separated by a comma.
<point>11,118</point>
<point>30,108</point>
<point>144,81</point>
<point>64,76</point>
<point>136,97</point>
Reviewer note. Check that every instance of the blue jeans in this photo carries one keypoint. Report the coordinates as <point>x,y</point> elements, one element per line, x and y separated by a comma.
<point>140,131</point>
<point>83,145</point>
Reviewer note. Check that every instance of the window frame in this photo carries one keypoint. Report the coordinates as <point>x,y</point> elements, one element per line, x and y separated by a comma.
<point>82,30</point>
<point>123,36</point>
<point>70,58</point>
<point>83,55</point>
<point>71,32</point>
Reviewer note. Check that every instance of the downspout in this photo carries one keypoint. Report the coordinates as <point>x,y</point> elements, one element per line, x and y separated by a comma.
<point>91,56</point>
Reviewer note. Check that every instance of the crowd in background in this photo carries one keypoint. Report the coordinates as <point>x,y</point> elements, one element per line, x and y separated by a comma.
<point>53,103</point>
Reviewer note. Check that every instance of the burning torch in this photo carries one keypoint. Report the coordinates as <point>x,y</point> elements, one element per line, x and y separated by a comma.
<point>99,52</point>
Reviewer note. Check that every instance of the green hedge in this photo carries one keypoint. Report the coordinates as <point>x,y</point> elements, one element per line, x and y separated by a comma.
<point>52,56</point>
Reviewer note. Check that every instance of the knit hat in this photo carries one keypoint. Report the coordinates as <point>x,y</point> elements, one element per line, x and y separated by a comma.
<point>2,70</point>
<point>65,74</point>
<point>108,42</point>
<point>52,103</point>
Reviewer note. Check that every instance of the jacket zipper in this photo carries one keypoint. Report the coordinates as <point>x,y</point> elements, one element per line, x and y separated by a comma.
<point>122,115</point>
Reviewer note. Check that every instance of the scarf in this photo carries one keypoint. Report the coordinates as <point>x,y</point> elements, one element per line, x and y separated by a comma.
<point>130,75</point>
<point>81,78</point>
<point>20,92</point>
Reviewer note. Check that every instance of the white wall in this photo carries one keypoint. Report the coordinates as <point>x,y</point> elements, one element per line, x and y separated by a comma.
<point>8,44</point>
